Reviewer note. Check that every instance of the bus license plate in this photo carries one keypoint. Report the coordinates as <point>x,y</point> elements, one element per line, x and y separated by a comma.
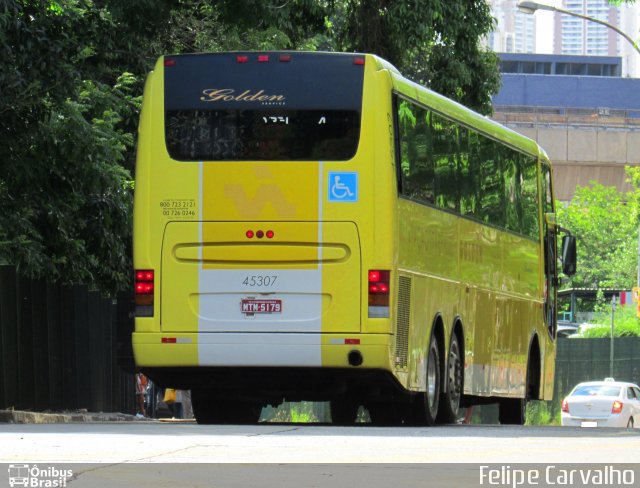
<point>252,305</point>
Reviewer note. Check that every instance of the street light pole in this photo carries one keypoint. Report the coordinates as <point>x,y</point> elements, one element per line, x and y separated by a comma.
<point>530,7</point>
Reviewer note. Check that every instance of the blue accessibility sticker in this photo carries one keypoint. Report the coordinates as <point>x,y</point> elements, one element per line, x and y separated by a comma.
<point>343,186</point>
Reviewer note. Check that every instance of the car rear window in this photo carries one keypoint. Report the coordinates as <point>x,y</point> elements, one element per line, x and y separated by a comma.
<point>596,390</point>
<point>245,106</point>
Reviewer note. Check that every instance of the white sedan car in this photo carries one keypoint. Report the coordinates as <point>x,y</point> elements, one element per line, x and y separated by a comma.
<point>606,403</point>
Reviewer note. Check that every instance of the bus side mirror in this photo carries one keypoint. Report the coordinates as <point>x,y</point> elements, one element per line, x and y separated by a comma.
<point>569,255</point>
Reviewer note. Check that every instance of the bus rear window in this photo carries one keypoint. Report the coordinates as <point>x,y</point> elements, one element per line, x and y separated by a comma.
<point>268,135</point>
<point>254,107</point>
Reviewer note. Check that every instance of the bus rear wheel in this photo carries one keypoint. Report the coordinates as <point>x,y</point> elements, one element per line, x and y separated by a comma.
<point>210,408</point>
<point>343,411</point>
<point>425,407</point>
<point>450,401</point>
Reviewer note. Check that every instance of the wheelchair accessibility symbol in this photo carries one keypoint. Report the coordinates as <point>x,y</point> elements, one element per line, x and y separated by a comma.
<point>343,187</point>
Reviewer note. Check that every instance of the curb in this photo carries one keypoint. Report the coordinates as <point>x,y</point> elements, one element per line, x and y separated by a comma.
<point>22,417</point>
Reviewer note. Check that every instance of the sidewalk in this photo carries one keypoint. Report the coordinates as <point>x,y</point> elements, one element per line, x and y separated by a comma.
<point>23,417</point>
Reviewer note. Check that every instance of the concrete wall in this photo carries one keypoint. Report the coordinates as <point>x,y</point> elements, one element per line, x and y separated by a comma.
<point>582,149</point>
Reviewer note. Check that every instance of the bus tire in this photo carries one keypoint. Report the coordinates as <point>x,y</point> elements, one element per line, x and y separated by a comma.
<point>343,411</point>
<point>426,404</point>
<point>450,400</point>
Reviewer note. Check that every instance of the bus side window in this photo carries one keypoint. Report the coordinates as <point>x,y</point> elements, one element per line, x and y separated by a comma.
<point>416,161</point>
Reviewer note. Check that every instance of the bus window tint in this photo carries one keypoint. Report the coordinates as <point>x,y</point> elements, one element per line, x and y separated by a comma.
<point>448,165</point>
<point>416,153</point>
<point>268,135</point>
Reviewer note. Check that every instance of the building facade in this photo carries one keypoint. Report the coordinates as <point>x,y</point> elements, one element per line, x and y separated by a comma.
<point>576,36</point>
<point>579,109</point>
<point>555,33</point>
<point>515,31</point>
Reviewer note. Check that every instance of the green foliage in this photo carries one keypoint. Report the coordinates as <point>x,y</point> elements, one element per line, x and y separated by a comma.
<point>298,412</point>
<point>69,226</point>
<point>541,413</point>
<point>605,223</point>
<point>625,323</point>
<point>435,43</point>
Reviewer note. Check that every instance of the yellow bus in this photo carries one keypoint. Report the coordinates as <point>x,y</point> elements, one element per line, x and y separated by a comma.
<point>314,226</point>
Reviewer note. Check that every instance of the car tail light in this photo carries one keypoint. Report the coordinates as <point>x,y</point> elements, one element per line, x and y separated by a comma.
<point>565,406</point>
<point>617,407</point>
<point>379,293</point>
<point>144,292</point>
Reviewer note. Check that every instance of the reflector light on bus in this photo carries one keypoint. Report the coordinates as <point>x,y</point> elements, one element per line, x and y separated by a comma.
<point>242,59</point>
<point>260,234</point>
<point>168,62</point>
<point>263,58</point>
<point>379,292</point>
<point>169,340</point>
<point>284,58</point>
<point>358,61</point>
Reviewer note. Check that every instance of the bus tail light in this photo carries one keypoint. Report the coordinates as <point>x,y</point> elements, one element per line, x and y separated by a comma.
<point>379,293</point>
<point>144,292</point>
<point>617,407</point>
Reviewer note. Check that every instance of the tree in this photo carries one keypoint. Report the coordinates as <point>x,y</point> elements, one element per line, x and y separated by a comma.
<point>605,223</point>
<point>65,195</point>
<point>433,42</point>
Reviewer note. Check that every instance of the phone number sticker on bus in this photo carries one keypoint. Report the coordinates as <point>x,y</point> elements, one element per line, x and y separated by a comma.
<point>179,208</point>
<point>253,305</point>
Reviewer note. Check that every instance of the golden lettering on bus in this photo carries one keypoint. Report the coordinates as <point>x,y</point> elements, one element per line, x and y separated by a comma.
<point>230,95</point>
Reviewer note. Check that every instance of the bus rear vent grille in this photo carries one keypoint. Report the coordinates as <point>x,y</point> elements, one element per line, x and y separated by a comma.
<point>402,325</point>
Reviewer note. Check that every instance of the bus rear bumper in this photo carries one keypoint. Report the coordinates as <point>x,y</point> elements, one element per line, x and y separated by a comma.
<point>222,349</point>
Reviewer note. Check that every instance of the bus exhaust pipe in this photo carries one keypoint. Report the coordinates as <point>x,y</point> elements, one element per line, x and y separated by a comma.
<point>355,358</point>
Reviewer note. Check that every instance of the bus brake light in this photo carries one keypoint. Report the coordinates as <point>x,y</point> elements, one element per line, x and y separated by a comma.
<point>379,292</point>
<point>144,292</point>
